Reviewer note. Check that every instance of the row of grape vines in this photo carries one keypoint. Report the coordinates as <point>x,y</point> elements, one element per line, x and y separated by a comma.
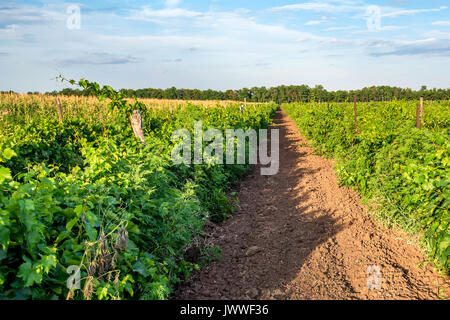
<point>402,172</point>
<point>84,205</point>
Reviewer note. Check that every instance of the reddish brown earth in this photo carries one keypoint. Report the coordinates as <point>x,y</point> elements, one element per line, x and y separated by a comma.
<point>298,235</point>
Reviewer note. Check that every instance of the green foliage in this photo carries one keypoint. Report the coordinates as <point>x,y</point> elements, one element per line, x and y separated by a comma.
<point>403,169</point>
<point>279,94</point>
<point>89,194</point>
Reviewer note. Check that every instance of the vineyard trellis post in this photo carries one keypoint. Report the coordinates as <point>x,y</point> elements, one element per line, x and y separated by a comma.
<point>60,114</point>
<point>138,125</point>
<point>421,110</point>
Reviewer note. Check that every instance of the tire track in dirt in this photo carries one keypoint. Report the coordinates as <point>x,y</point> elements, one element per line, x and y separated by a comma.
<point>298,235</point>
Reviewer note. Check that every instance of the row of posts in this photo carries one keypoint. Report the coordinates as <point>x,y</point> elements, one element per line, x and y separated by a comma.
<point>419,116</point>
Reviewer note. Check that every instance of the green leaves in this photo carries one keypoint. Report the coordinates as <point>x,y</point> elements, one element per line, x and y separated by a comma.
<point>5,174</point>
<point>91,231</point>
<point>8,154</point>
<point>79,209</point>
<point>71,223</point>
<point>48,262</point>
<point>30,273</point>
<point>118,100</point>
<point>4,237</point>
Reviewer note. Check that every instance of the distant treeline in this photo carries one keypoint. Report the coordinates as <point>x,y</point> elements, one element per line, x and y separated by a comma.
<point>281,94</point>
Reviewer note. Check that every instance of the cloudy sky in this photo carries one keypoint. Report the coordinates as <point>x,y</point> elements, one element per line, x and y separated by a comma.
<point>222,44</point>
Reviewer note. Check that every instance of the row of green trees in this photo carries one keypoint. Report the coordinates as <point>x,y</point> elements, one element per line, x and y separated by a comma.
<point>283,94</point>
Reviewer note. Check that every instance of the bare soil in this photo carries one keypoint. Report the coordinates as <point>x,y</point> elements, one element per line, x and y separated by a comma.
<point>299,235</point>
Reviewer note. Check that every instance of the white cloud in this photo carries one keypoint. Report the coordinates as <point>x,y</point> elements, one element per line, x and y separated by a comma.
<point>342,28</point>
<point>342,6</point>
<point>314,22</point>
<point>10,32</point>
<point>149,14</point>
<point>11,28</point>
<point>439,34</point>
<point>399,13</point>
<point>425,47</point>
<point>30,15</point>
<point>384,28</point>
<point>99,58</point>
<point>242,10</point>
<point>441,23</point>
<point>387,28</point>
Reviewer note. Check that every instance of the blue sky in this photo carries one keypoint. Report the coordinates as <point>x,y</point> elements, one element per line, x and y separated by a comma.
<point>222,44</point>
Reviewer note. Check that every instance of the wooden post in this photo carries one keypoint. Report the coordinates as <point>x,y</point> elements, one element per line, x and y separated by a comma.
<point>60,114</point>
<point>355,113</point>
<point>138,125</point>
<point>418,116</point>
<point>421,110</point>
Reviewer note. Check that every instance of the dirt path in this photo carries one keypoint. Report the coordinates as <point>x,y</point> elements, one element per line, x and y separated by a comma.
<point>298,235</point>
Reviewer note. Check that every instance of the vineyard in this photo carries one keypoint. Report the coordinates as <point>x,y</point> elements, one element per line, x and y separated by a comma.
<point>402,172</point>
<point>84,192</point>
<point>80,193</point>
